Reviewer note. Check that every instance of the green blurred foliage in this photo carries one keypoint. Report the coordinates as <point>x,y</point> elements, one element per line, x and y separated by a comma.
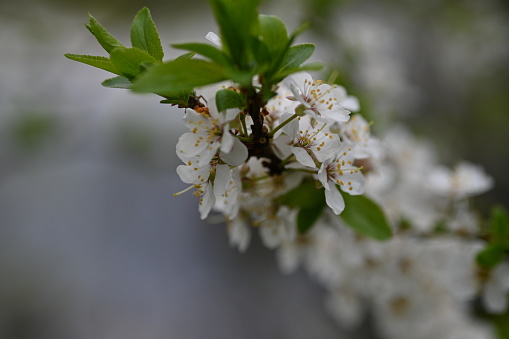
<point>30,131</point>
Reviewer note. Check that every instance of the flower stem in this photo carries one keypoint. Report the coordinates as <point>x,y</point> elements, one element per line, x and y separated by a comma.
<point>287,160</point>
<point>243,124</point>
<point>271,134</point>
<point>246,139</point>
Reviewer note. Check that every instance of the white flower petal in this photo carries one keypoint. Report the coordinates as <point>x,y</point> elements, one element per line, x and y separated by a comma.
<point>322,174</point>
<point>222,179</point>
<point>288,257</point>
<point>494,299</point>
<point>231,114</point>
<point>335,200</point>
<point>237,155</point>
<point>207,201</point>
<point>214,38</point>
<point>193,175</point>
<point>303,157</point>
<point>328,150</point>
<point>290,128</point>
<point>353,183</point>
<point>226,140</point>
<point>351,103</point>
<point>239,234</point>
<point>189,145</point>
<point>192,119</point>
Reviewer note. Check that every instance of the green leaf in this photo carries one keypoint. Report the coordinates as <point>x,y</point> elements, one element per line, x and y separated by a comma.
<point>186,56</point>
<point>490,256</point>
<point>309,200</point>
<point>307,217</point>
<point>304,196</point>
<point>365,216</point>
<point>244,78</point>
<point>130,61</point>
<point>107,41</point>
<point>299,30</point>
<point>262,55</point>
<point>181,99</point>
<point>312,66</point>
<point>96,61</point>
<point>144,34</point>
<point>117,82</point>
<point>237,22</point>
<point>179,75</point>
<point>498,244</point>
<point>273,33</point>
<point>297,54</point>
<point>499,225</point>
<point>206,50</point>
<point>227,98</point>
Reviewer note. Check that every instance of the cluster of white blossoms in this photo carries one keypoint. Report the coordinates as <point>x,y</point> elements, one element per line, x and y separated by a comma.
<point>421,282</point>
<point>311,133</point>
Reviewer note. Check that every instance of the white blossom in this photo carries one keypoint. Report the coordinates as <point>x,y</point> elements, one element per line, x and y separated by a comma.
<point>342,172</point>
<point>356,133</point>
<point>210,134</point>
<point>312,141</point>
<point>466,180</point>
<point>239,233</point>
<point>328,103</point>
<point>496,288</point>
<point>278,228</point>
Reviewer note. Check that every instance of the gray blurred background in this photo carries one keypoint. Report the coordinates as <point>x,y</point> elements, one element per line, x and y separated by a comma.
<point>92,242</point>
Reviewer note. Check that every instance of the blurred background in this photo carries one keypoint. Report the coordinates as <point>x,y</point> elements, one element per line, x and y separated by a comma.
<point>92,242</point>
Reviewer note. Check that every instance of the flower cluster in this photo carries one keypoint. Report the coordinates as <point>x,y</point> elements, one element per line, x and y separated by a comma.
<point>422,281</point>
<point>310,134</point>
